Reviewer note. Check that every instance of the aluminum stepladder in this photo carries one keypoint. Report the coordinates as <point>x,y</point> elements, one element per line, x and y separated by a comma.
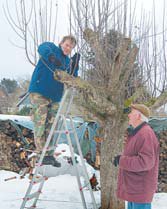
<point>59,127</point>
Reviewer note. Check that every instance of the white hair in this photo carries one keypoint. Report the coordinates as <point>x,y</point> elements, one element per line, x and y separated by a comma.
<point>143,117</point>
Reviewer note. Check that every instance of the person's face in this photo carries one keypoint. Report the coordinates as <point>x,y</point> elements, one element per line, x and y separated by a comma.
<point>134,117</point>
<point>67,47</point>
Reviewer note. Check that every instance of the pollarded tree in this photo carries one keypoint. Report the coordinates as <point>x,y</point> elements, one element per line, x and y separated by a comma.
<point>115,57</point>
<point>108,66</point>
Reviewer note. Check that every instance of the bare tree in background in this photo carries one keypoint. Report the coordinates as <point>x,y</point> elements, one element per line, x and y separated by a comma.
<point>34,22</point>
<point>114,47</point>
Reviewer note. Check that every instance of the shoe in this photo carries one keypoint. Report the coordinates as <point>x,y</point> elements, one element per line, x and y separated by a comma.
<point>50,160</point>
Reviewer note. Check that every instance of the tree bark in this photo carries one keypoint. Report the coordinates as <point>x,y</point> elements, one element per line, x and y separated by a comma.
<point>111,147</point>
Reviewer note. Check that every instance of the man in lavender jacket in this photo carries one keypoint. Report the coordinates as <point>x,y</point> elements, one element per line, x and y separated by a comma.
<point>138,164</point>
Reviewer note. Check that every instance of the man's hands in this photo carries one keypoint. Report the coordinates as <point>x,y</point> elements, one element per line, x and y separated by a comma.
<point>75,62</point>
<point>116,160</point>
<point>75,58</point>
<point>63,76</point>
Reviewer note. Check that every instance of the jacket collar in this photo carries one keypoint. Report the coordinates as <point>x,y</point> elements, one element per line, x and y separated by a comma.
<point>62,51</point>
<point>132,131</point>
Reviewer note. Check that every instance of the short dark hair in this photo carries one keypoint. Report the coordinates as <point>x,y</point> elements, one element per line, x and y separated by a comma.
<point>69,37</point>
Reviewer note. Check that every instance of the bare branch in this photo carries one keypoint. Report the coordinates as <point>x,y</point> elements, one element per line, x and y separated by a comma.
<point>161,100</point>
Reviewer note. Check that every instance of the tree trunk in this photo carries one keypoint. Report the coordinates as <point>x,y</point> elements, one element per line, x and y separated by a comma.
<point>111,147</point>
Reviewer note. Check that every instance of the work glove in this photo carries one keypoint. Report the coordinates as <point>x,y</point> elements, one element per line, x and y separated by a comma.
<point>116,160</point>
<point>54,60</point>
<point>75,62</point>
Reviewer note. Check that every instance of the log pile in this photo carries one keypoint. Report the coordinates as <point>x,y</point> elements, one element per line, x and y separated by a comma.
<point>5,154</point>
<point>13,144</point>
<point>162,187</point>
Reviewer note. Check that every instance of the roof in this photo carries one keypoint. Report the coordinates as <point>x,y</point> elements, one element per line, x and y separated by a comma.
<point>24,121</point>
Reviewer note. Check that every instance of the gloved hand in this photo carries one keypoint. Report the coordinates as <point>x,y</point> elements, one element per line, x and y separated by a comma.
<point>116,160</point>
<point>76,57</point>
<point>75,62</point>
<point>54,60</point>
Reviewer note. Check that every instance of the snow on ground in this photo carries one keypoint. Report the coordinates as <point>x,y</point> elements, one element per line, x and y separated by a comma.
<point>62,154</point>
<point>14,117</point>
<point>160,201</point>
<point>58,192</point>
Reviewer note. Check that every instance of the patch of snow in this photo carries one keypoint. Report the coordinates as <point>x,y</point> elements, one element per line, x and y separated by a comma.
<point>14,117</point>
<point>58,192</point>
<point>62,154</point>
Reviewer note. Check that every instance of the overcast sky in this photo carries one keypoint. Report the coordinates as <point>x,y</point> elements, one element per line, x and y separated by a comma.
<point>13,62</point>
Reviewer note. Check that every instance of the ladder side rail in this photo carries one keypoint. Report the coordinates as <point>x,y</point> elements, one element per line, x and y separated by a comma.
<point>72,91</point>
<point>29,190</point>
<point>57,134</point>
<point>27,193</point>
<point>40,191</point>
<point>23,203</point>
<point>74,163</point>
<point>45,148</point>
<point>38,166</point>
<point>53,126</point>
<point>57,138</point>
<point>83,164</point>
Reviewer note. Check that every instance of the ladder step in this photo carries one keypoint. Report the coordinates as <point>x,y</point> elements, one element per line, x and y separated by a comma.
<point>33,195</point>
<point>37,179</point>
<point>64,131</point>
<point>51,148</point>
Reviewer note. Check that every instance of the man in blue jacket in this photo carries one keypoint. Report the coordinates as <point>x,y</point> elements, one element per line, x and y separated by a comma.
<point>45,91</point>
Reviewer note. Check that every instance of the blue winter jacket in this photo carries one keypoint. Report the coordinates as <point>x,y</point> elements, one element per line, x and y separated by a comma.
<point>42,80</point>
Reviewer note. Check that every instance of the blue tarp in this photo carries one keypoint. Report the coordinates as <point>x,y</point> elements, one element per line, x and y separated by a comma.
<point>158,124</point>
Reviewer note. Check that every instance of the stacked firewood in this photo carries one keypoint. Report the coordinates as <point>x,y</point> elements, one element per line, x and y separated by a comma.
<point>163,162</point>
<point>5,153</point>
<point>14,143</point>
